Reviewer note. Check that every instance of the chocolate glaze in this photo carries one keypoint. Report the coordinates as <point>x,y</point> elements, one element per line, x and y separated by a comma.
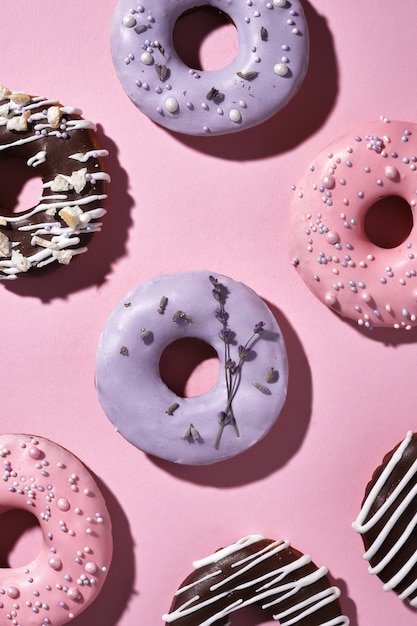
<point>49,144</point>
<point>286,584</point>
<point>401,491</point>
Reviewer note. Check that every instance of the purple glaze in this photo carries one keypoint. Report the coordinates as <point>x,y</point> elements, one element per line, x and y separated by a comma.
<point>151,416</point>
<point>268,69</point>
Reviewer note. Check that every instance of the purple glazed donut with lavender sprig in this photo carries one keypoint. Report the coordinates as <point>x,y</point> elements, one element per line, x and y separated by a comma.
<point>268,69</point>
<point>251,388</point>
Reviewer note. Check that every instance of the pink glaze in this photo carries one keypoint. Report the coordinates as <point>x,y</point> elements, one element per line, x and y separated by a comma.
<point>368,282</point>
<point>267,71</point>
<point>46,480</point>
<point>248,395</point>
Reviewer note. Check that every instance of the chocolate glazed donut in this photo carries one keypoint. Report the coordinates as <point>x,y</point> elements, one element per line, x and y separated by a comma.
<point>388,519</point>
<point>63,148</point>
<point>286,584</point>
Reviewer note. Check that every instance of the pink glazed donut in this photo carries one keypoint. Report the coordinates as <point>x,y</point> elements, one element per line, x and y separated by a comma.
<point>268,69</point>
<point>49,482</point>
<point>251,387</point>
<point>341,259</point>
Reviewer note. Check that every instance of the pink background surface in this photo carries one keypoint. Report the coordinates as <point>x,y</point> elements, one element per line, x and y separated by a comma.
<point>183,203</point>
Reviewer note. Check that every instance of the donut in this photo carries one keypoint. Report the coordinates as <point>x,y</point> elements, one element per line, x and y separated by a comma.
<point>253,370</point>
<point>44,479</point>
<point>62,147</point>
<point>387,521</point>
<point>336,212</point>
<point>268,69</point>
<point>285,583</point>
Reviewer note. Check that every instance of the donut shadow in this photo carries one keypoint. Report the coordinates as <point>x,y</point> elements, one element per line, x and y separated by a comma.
<point>279,445</point>
<point>104,248</point>
<point>118,588</point>
<point>305,113</point>
<point>389,336</point>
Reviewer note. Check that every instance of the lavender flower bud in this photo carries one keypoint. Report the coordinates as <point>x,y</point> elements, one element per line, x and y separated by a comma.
<point>226,335</point>
<point>222,315</point>
<point>243,352</point>
<point>224,418</point>
<point>230,365</point>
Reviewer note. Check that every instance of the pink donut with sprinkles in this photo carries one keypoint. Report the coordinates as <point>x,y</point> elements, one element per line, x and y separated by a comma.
<point>49,482</point>
<point>267,71</point>
<point>353,238</point>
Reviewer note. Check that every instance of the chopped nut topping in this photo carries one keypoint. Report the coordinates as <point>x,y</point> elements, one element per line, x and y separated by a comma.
<point>71,215</point>
<point>54,116</point>
<point>44,243</point>
<point>5,110</point>
<point>62,256</point>
<point>61,183</point>
<point>4,93</point>
<point>5,245</point>
<point>76,181</point>
<point>19,123</point>
<point>20,262</point>
<point>20,98</point>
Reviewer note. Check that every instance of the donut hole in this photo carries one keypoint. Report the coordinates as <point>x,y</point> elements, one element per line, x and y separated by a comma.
<point>388,222</point>
<point>189,367</point>
<point>21,538</point>
<point>205,38</point>
<point>21,186</point>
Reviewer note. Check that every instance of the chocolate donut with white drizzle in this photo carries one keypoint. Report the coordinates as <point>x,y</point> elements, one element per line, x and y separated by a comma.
<point>388,520</point>
<point>64,150</point>
<point>286,584</point>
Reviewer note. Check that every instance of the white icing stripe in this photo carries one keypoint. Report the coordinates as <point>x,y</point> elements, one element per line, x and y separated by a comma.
<point>197,582</point>
<point>54,206</point>
<point>402,506</point>
<point>395,548</point>
<point>408,591</point>
<point>362,527</point>
<point>37,159</point>
<point>264,556</point>
<point>359,524</point>
<point>401,574</point>
<point>83,157</point>
<point>277,587</point>
<point>278,546</point>
<point>318,601</point>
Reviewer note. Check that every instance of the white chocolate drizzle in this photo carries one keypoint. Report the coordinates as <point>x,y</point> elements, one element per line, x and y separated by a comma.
<point>269,590</point>
<point>366,522</point>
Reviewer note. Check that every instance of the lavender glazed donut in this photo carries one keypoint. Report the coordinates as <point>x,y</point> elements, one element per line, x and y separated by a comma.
<point>62,147</point>
<point>282,581</point>
<point>248,395</point>
<point>332,247</point>
<point>49,482</point>
<point>268,69</point>
<point>388,520</point>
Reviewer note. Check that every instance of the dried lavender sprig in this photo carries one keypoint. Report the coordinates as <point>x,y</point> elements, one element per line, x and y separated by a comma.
<point>233,372</point>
